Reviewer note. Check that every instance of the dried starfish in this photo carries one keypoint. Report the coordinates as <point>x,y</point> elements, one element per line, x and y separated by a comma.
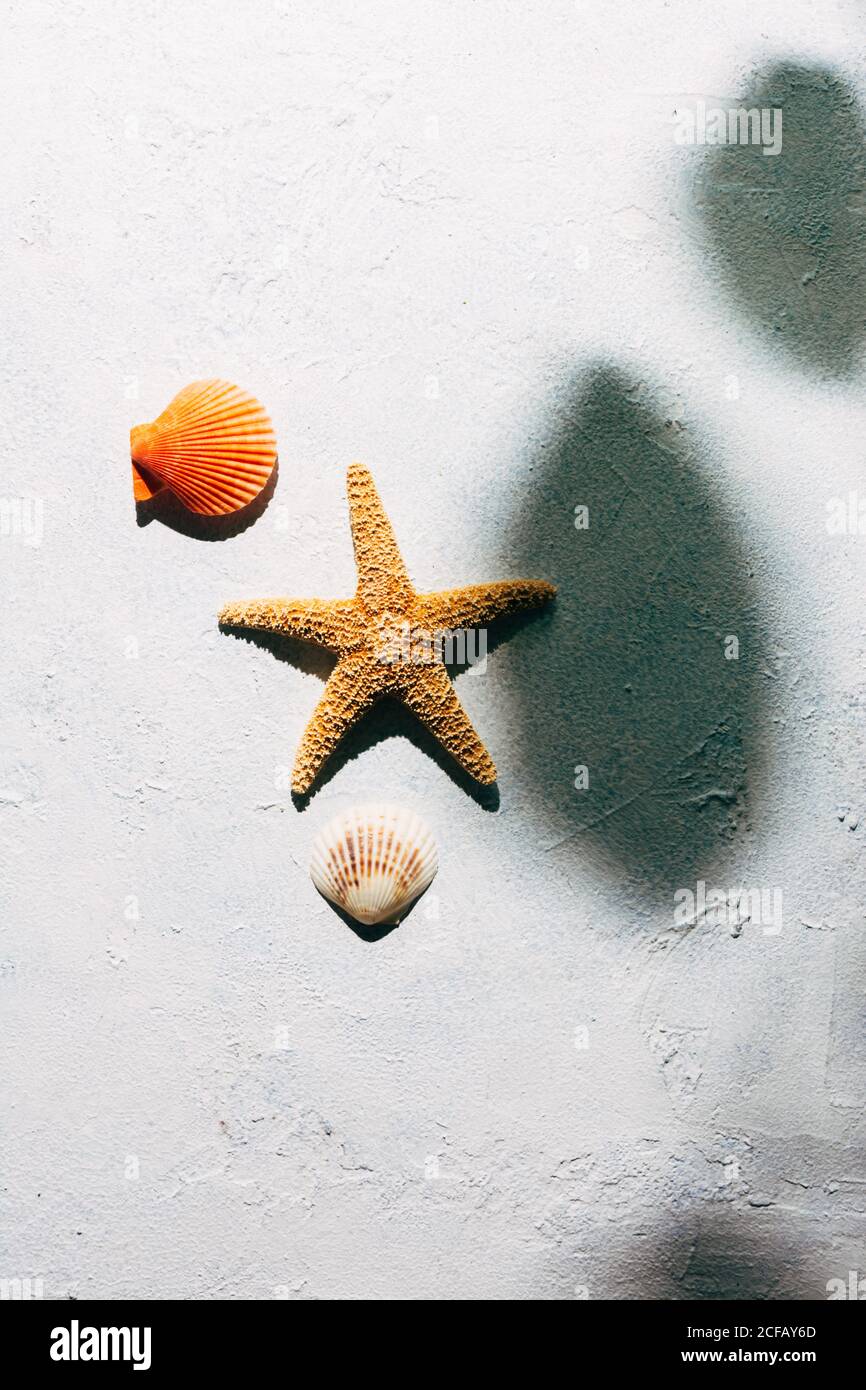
<point>366,668</point>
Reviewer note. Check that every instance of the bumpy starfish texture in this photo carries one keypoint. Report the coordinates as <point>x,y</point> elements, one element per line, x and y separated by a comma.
<point>366,670</point>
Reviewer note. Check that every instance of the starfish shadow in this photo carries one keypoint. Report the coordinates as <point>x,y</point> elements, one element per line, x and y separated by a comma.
<point>388,718</point>
<point>168,509</point>
<point>312,660</point>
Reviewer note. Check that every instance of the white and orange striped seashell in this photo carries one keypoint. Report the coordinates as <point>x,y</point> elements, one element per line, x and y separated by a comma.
<point>213,446</point>
<point>373,861</point>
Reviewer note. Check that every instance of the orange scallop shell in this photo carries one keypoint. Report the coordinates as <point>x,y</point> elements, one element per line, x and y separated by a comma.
<point>213,446</point>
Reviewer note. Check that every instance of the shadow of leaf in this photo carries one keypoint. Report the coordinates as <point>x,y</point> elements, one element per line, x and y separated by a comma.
<point>627,674</point>
<point>787,232</point>
<point>719,1255</point>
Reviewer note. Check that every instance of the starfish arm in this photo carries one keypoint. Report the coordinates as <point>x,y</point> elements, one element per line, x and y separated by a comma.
<point>353,686</point>
<point>429,694</point>
<point>476,605</point>
<point>327,623</point>
<point>383,584</point>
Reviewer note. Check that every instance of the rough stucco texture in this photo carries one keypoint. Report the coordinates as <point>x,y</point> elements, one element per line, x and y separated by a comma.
<point>461,244</point>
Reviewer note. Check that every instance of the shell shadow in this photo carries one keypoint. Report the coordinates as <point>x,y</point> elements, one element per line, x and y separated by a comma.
<point>646,670</point>
<point>787,232</point>
<point>168,509</point>
<point>379,930</point>
<point>388,718</point>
